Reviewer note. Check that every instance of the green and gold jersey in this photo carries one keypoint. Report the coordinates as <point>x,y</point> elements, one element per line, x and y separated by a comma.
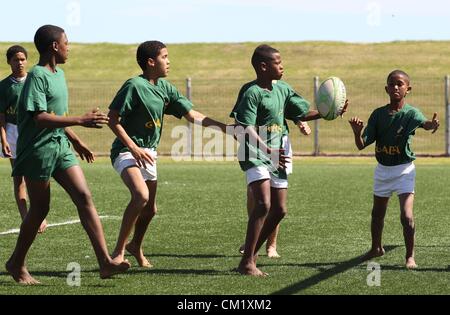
<point>10,90</point>
<point>267,111</point>
<point>393,133</point>
<point>43,91</point>
<point>142,106</point>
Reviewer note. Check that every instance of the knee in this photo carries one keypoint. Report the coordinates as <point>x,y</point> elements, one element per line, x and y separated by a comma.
<point>262,207</point>
<point>150,211</point>
<point>84,198</point>
<point>140,198</point>
<point>407,221</point>
<point>280,211</point>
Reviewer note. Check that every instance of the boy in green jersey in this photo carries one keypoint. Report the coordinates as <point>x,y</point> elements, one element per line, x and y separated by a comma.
<point>43,151</point>
<point>261,110</point>
<point>392,128</point>
<point>136,117</point>
<point>10,89</point>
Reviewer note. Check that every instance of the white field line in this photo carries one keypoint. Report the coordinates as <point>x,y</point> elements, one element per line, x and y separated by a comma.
<point>16,231</point>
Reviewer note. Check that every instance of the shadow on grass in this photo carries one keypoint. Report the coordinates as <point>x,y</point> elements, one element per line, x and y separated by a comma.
<point>326,273</point>
<point>200,256</point>
<point>197,272</point>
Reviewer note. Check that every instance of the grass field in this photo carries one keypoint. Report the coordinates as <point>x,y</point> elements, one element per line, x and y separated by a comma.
<point>96,71</point>
<point>193,240</point>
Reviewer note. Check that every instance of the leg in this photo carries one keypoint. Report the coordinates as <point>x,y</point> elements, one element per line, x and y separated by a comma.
<point>20,193</point>
<point>139,191</point>
<point>261,196</point>
<point>378,213</point>
<point>39,192</point>
<point>74,182</point>
<point>250,205</point>
<point>147,214</point>
<point>278,210</point>
<point>271,245</point>
<point>407,220</point>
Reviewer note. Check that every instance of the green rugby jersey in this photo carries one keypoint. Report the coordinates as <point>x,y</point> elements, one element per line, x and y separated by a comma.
<point>267,111</point>
<point>142,106</point>
<point>393,133</point>
<point>43,91</point>
<point>10,90</point>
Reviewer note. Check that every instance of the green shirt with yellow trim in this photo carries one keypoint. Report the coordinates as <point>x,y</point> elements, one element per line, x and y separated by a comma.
<point>267,111</point>
<point>393,134</point>
<point>10,90</point>
<point>142,106</point>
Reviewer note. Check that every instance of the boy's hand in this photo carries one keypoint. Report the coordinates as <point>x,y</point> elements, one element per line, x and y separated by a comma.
<point>142,156</point>
<point>6,150</point>
<point>304,128</point>
<point>83,151</point>
<point>357,125</point>
<point>434,123</point>
<point>344,109</point>
<point>278,157</point>
<point>94,119</point>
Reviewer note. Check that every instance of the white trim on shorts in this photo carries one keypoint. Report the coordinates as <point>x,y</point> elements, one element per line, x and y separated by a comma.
<point>12,134</point>
<point>400,179</point>
<point>126,159</point>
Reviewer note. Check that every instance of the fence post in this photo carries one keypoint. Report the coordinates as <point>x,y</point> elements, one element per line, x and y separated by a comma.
<point>447,115</point>
<point>316,122</point>
<point>189,97</point>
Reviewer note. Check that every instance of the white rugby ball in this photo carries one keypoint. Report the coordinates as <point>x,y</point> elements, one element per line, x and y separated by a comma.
<point>331,98</point>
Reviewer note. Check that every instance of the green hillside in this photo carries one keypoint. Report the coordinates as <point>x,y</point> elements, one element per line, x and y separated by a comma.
<point>95,72</point>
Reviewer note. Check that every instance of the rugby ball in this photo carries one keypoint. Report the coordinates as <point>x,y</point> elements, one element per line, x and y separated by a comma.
<point>331,98</point>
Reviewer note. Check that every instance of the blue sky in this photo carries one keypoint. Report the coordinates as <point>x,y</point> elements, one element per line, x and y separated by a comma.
<point>185,21</point>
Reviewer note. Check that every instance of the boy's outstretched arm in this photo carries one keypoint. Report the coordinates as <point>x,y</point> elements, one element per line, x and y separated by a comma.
<point>432,124</point>
<point>304,127</point>
<point>314,113</point>
<point>92,119</point>
<point>357,127</point>
<point>200,119</point>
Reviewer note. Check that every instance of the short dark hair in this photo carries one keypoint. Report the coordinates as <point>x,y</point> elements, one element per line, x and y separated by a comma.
<point>263,53</point>
<point>14,50</point>
<point>148,49</point>
<point>45,36</point>
<point>398,72</point>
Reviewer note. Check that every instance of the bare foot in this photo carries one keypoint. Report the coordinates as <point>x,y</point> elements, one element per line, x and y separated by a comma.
<point>411,263</point>
<point>272,252</point>
<point>43,226</point>
<point>378,252</point>
<point>118,257</point>
<point>20,274</point>
<point>241,249</point>
<point>250,270</point>
<point>139,255</point>
<point>113,268</point>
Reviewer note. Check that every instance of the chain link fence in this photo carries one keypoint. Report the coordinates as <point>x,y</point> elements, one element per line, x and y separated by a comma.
<point>215,98</point>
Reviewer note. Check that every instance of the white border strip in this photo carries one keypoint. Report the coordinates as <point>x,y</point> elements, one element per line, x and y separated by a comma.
<point>16,231</point>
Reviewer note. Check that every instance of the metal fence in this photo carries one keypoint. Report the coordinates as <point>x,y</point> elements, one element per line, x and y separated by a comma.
<point>216,98</point>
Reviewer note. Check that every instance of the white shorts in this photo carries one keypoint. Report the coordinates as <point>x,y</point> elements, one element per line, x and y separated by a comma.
<point>400,179</point>
<point>126,159</point>
<point>262,172</point>
<point>11,136</point>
